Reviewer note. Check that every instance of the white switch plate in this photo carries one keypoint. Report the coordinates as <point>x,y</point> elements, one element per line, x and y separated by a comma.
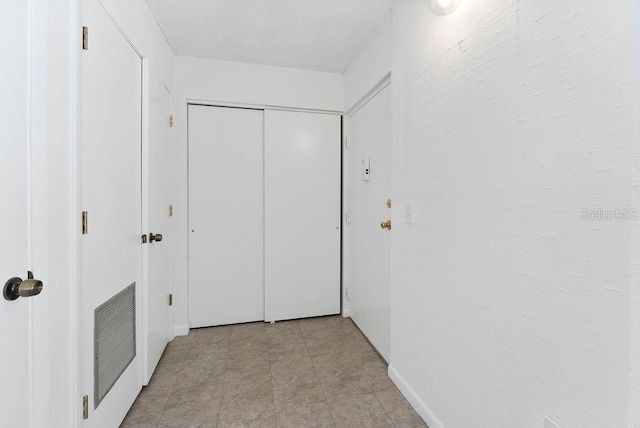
<point>408,213</point>
<point>550,423</point>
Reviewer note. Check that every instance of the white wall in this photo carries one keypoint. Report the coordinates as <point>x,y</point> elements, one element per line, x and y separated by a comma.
<point>224,82</point>
<point>513,117</point>
<point>371,65</point>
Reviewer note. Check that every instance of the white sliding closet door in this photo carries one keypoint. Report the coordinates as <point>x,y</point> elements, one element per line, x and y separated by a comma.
<point>225,216</point>
<point>302,214</point>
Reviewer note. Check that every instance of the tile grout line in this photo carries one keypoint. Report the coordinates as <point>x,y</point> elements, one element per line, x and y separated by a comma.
<point>164,408</point>
<point>364,376</point>
<point>273,391</point>
<point>318,376</point>
<point>224,377</point>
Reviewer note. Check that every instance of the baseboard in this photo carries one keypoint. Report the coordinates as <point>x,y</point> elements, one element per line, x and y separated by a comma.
<point>181,330</point>
<point>345,312</point>
<point>411,396</point>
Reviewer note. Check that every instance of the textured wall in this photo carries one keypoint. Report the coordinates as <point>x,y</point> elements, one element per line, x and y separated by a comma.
<point>512,116</point>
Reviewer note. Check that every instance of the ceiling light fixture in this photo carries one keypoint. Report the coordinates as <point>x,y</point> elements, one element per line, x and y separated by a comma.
<point>443,7</point>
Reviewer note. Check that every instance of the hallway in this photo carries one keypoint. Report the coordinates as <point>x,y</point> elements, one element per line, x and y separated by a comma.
<point>318,372</point>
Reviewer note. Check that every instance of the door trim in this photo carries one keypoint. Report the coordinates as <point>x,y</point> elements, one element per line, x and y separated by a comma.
<point>371,93</point>
<point>227,104</point>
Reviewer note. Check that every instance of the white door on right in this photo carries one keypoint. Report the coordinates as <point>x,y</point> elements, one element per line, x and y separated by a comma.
<point>369,243</point>
<point>302,214</point>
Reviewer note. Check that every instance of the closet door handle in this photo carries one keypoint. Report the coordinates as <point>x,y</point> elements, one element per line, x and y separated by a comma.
<point>157,237</point>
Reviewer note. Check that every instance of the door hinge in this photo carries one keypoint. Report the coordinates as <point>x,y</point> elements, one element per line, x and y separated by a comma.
<point>85,407</point>
<point>170,299</point>
<point>348,217</point>
<point>171,210</point>
<point>85,38</point>
<point>171,121</point>
<point>348,143</point>
<point>85,222</point>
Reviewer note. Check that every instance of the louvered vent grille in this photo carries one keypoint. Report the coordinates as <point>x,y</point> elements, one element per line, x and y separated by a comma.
<point>115,340</point>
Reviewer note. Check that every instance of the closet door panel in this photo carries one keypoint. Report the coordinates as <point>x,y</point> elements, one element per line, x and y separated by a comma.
<point>226,250</point>
<point>302,214</point>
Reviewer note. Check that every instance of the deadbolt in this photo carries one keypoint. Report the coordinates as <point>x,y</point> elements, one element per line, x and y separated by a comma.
<point>386,225</point>
<point>16,287</point>
<point>388,204</point>
<point>157,237</point>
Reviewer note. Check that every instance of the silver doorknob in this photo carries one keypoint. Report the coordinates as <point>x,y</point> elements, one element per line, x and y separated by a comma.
<point>16,287</point>
<point>155,237</point>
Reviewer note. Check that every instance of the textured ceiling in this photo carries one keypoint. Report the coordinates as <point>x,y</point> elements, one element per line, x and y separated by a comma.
<point>323,35</point>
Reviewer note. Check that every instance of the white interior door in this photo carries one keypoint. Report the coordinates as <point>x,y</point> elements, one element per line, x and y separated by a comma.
<point>15,316</point>
<point>369,244</point>
<point>111,195</point>
<point>157,253</point>
<point>302,214</point>
<point>225,216</point>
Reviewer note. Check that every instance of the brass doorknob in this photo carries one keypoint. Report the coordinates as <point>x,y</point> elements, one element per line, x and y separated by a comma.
<point>386,225</point>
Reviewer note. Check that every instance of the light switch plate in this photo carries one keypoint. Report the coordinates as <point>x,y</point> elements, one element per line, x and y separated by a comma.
<point>408,213</point>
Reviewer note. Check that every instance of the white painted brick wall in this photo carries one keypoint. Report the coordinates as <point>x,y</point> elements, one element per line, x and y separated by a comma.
<point>512,116</point>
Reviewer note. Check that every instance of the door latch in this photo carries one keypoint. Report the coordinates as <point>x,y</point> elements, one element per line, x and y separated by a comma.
<point>16,287</point>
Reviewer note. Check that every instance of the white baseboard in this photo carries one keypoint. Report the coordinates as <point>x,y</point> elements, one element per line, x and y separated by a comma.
<point>181,330</point>
<point>411,396</point>
<point>345,312</point>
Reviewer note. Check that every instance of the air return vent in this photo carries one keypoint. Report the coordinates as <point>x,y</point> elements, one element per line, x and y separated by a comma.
<point>115,340</point>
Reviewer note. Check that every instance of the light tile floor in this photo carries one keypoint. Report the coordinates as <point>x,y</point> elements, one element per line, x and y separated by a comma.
<point>318,372</point>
